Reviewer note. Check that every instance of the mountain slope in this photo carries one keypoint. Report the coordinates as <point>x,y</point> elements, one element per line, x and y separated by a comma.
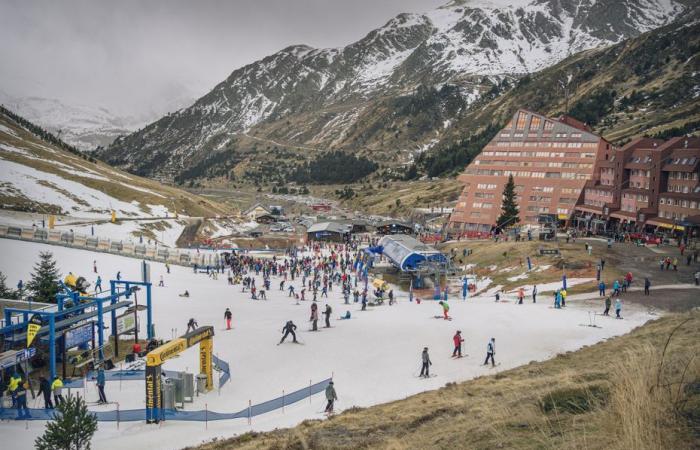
<point>308,100</point>
<point>41,176</point>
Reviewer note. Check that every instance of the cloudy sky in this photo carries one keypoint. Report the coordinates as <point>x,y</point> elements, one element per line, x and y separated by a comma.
<point>133,57</point>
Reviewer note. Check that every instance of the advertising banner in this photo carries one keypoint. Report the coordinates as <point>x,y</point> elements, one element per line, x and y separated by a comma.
<point>125,323</point>
<point>33,328</point>
<point>79,335</point>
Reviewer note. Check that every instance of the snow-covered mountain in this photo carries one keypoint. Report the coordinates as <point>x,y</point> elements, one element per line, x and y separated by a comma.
<point>322,94</point>
<point>82,126</point>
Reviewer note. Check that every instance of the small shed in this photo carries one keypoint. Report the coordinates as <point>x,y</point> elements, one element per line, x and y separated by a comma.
<point>256,211</point>
<point>407,253</point>
<point>329,231</point>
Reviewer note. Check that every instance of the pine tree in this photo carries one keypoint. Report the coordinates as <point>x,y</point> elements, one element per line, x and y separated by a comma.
<point>44,282</point>
<point>509,208</point>
<point>71,428</point>
<point>5,291</point>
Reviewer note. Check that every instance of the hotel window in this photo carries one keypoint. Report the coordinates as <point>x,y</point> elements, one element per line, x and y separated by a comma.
<point>477,205</point>
<point>562,211</point>
<point>475,214</point>
<point>520,123</point>
<point>535,123</point>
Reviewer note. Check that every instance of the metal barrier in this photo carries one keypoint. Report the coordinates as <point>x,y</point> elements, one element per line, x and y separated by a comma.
<point>135,415</point>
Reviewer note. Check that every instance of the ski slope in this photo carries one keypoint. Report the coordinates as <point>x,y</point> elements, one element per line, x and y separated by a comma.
<point>374,357</point>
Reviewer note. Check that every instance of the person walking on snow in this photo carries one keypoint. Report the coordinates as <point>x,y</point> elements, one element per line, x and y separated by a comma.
<point>331,396</point>
<point>445,309</point>
<point>491,352</point>
<point>327,312</point>
<point>101,386</point>
<point>45,390</point>
<point>647,285</point>
<point>521,295</point>
<point>228,316</point>
<point>161,283</point>
<point>98,284</point>
<point>618,308</point>
<point>457,339</point>
<point>534,293</point>
<point>57,388</point>
<point>288,329</point>
<point>425,368</point>
<point>607,306</point>
<point>601,289</point>
<point>314,317</point>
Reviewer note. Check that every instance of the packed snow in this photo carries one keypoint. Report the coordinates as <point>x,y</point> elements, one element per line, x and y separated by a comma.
<point>374,357</point>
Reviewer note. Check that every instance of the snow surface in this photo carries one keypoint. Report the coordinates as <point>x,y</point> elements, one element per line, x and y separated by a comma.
<point>374,357</point>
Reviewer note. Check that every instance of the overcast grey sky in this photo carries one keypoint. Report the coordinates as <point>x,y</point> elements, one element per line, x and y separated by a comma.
<point>132,56</point>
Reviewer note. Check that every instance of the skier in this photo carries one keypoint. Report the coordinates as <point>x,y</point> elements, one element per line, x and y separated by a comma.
<point>98,284</point>
<point>607,306</point>
<point>521,295</point>
<point>45,390</point>
<point>288,329</point>
<point>534,293</point>
<point>192,324</point>
<point>425,368</point>
<point>457,339</point>
<point>445,309</point>
<point>490,352</point>
<point>327,312</point>
<point>601,288</point>
<point>314,317</point>
<point>161,283</point>
<point>119,275</point>
<point>647,285</point>
<point>94,266</point>
<point>618,308</point>
<point>101,386</point>
<point>228,316</point>
<point>331,396</point>
<point>364,300</point>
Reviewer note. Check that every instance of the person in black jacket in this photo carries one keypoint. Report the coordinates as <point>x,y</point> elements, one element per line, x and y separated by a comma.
<point>45,389</point>
<point>288,329</point>
<point>327,312</point>
<point>425,368</point>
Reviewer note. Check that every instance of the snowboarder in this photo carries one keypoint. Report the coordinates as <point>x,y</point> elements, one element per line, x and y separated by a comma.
<point>607,306</point>
<point>288,329</point>
<point>491,352</point>
<point>228,316</point>
<point>445,309</point>
<point>101,386</point>
<point>327,312</point>
<point>192,324</point>
<point>331,396</point>
<point>457,339</point>
<point>425,368</point>
<point>314,317</point>
<point>45,390</point>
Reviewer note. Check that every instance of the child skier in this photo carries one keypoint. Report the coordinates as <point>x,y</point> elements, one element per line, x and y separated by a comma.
<point>445,309</point>
<point>457,339</point>
<point>331,396</point>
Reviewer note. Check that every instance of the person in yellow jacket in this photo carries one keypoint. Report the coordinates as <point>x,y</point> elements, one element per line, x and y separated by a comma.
<point>12,386</point>
<point>57,389</point>
<point>563,297</point>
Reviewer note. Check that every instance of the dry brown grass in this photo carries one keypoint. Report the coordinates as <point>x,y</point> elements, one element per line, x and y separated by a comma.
<point>617,394</point>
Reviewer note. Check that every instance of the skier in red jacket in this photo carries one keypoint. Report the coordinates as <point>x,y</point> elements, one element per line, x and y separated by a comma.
<point>457,338</point>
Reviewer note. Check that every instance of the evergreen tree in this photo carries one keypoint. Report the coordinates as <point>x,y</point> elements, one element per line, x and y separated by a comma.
<point>5,291</point>
<point>509,208</point>
<point>44,282</point>
<point>71,428</point>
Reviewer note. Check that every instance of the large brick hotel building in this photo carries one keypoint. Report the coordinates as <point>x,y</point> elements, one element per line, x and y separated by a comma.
<point>550,160</point>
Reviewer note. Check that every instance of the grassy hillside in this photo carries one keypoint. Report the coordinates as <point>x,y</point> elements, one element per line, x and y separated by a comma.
<point>47,177</point>
<point>638,391</point>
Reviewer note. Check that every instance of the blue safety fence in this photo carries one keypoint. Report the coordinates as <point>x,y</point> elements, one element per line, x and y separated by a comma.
<point>223,366</point>
<point>113,375</point>
<point>135,415</point>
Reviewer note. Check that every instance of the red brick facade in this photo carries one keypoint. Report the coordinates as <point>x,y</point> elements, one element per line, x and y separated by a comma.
<point>550,160</point>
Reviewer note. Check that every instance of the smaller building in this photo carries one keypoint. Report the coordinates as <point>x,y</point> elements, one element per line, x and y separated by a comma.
<point>394,227</point>
<point>407,253</point>
<point>329,232</point>
<point>256,211</point>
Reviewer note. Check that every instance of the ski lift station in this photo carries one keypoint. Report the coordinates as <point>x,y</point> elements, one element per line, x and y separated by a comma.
<point>408,254</point>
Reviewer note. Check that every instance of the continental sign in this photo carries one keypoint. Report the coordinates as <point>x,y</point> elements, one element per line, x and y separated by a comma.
<point>166,351</point>
<point>198,335</point>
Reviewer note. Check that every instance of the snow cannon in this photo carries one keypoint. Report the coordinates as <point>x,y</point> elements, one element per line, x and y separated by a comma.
<point>79,284</point>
